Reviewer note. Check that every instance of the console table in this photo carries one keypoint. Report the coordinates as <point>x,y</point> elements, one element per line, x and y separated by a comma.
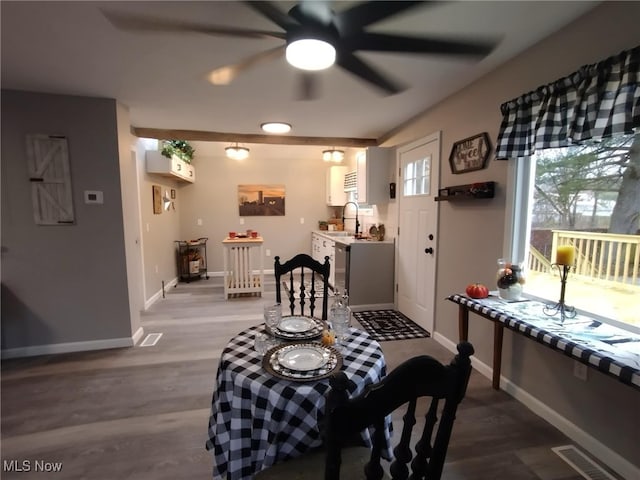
<point>243,265</point>
<point>611,350</point>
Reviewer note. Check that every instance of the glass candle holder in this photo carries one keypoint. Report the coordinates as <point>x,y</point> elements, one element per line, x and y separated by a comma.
<point>510,279</point>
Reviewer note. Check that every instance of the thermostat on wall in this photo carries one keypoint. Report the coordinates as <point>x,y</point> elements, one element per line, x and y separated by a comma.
<point>93,196</point>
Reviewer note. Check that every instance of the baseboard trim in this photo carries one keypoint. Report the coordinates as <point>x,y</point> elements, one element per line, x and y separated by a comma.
<point>158,295</point>
<point>137,336</point>
<point>69,347</point>
<point>607,456</point>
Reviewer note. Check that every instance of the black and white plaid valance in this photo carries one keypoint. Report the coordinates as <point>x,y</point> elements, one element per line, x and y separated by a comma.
<point>598,101</point>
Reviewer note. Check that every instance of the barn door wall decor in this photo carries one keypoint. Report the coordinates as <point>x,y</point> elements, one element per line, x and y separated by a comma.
<point>50,177</point>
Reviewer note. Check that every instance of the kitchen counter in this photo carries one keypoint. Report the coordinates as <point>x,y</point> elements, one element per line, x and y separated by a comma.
<point>348,238</point>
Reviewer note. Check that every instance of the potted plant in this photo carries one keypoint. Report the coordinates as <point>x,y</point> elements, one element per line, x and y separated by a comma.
<point>179,148</point>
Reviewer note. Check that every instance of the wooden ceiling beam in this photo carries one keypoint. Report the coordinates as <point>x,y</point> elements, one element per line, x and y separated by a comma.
<point>204,136</point>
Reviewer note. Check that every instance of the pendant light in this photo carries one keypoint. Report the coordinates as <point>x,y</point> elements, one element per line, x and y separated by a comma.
<point>236,152</point>
<point>333,155</point>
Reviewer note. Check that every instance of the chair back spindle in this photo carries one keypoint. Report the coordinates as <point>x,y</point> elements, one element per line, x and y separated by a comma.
<point>308,272</point>
<point>421,376</point>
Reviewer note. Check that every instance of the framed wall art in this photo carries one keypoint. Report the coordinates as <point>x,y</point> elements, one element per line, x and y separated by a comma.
<point>470,154</point>
<point>261,200</point>
<point>157,199</point>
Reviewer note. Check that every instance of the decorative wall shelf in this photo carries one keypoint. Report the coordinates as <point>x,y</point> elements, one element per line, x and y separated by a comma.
<point>470,191</point>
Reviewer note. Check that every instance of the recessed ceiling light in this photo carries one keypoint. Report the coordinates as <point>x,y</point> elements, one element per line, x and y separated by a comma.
<point>276,127</point>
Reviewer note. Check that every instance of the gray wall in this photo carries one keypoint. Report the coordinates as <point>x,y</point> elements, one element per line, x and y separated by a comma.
<point>62,283</point>
<point>603,407</point>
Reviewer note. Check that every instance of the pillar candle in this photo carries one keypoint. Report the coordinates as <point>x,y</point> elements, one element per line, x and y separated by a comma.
<point>565,255</point>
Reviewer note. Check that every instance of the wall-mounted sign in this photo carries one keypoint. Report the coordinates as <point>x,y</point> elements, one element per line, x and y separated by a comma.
<point>470,154</point>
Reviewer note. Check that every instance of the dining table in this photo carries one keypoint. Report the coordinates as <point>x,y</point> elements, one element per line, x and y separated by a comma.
<point>259,418</point>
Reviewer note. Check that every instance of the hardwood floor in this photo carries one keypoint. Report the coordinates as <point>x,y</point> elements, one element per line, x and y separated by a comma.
<point>142,412</point>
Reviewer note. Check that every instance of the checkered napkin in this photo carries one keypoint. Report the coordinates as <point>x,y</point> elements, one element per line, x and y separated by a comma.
<point>258,419</point>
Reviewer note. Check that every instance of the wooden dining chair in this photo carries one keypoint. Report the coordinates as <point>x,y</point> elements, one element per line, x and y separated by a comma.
<point>305,280</point>
<point>444,387</point>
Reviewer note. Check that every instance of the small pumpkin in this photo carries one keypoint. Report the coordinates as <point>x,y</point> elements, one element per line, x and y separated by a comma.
<point>328,338</point>
<point>477,290</point>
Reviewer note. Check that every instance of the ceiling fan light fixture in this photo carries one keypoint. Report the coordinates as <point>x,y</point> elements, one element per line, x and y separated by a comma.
<point>275,127</point>
<point>333,155</point>
<point>310,54</point>
<point>236,152</point>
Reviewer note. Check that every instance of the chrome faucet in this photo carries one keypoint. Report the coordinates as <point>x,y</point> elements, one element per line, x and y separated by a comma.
<point>356,219</point>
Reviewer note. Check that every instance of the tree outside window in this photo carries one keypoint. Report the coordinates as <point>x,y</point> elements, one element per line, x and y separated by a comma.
<point>589,196</point>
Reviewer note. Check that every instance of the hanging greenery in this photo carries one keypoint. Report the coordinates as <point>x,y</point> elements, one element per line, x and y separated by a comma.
<point>179,148</point>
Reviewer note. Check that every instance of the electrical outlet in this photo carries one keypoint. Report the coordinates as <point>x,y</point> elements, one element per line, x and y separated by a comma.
<point>156,268</point>
<point>199,222</point>
<point>267,252</point>
<point>580,370</point>
<point>302,220</point>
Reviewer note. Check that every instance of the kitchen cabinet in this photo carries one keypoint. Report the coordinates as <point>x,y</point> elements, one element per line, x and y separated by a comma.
<point>170,167</point>
<point>373,177</point>
<point>336,196</point>
<point>321,247</point>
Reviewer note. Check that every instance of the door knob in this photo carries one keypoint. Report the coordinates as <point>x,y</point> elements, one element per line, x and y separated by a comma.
<point>428,250</point>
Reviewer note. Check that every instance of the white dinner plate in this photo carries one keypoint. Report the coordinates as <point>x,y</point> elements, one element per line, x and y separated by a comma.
<point>296,324</point>
<point>303,357</point>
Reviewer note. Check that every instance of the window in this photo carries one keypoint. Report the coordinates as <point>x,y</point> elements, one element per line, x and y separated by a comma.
<point>416,178</point>
<point>581,196</point>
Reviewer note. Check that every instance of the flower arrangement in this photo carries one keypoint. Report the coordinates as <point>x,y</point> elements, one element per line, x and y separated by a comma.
<point>179,148</point>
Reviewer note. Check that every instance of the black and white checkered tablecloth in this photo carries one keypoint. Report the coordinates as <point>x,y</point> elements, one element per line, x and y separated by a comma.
<point>611,350</point>
<point>258,419</point>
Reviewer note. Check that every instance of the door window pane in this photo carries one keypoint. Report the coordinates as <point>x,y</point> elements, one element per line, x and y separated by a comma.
<point>417,177</point>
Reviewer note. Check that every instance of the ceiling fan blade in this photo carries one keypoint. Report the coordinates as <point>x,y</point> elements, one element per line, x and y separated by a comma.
<point>308,87</point>
<point>359,16</point>
<point>139,23</point>
<point>273,13</point>
<point>358,67</point>
<point>382,42</point>
<point>225,75</point>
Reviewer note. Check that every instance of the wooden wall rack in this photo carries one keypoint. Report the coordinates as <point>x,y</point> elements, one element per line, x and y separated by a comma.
<point>469,191</point>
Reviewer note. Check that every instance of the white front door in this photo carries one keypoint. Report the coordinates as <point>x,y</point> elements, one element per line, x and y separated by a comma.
<point>418,163</point>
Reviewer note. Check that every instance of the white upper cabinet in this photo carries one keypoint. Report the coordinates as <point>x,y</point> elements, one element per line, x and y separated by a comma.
<point>170,167</point>
<point>336,195</point>
<point>372,167</point>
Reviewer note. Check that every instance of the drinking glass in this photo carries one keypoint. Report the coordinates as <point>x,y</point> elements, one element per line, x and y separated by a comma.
<point>261,343</point>
<point>272,315</point>
<point>340,323</point>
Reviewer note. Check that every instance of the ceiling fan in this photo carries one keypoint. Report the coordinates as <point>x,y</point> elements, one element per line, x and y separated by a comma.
<point>335,35</point>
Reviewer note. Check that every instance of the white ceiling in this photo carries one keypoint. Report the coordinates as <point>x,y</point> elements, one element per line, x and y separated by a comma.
<point>70,48</point>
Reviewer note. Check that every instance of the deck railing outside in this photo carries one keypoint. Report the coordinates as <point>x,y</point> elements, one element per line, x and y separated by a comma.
<point>612,259</point>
